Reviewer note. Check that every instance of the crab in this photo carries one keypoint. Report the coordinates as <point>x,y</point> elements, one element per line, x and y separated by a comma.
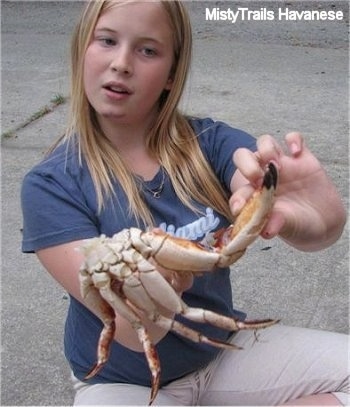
<point>119,275</point>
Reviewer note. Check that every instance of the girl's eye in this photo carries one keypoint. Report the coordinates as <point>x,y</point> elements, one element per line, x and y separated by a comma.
<point>107,42</point>
<point>148,52</point>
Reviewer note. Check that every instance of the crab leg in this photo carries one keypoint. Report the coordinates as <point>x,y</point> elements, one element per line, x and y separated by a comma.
<point>137,293</point>
<point>102,281</point>
<point>160,290</point>
<point>107,315</point>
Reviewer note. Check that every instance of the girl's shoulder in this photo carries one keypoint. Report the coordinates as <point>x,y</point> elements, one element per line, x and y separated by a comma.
<point>62,160</point>
<point>213,133</point>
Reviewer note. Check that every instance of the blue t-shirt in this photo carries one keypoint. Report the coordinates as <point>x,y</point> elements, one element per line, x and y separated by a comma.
<point>59,206</point>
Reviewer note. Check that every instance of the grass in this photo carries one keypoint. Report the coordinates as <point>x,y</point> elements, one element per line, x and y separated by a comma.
<point>37,115</point>
<point>58,99</point>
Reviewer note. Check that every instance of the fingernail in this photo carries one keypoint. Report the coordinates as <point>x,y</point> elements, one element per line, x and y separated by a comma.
<point>294,149</point>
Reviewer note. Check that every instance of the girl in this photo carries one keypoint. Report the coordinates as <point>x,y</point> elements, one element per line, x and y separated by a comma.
<point>130,158</point>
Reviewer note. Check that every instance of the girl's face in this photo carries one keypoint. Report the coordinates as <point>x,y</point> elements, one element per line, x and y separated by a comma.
<point>128,62</point>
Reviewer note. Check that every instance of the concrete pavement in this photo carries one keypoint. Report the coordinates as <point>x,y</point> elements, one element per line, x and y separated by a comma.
<point>261,76</point>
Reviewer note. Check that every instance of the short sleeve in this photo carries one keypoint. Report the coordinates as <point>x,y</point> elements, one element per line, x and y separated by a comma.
<point>218,142</point>
<point>54,210</point>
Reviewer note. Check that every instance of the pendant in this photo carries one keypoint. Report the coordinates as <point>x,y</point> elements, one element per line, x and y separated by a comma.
<point>156,194</point>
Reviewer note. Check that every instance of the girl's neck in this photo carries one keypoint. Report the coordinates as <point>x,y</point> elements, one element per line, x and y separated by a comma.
<point>124,136</point>
<point>127,135</point>
<point>130,142</point>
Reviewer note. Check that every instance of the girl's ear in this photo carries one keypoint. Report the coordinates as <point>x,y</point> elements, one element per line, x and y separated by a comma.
<point>169,84</point>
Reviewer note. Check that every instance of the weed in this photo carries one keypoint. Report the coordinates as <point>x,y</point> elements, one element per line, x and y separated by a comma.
<point>37,115</point>
<point>8,134</point>
<point>58,99</point>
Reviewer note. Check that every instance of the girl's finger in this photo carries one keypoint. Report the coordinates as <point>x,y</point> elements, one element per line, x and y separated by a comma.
<point>295,143</point>
<point>274,225</point>
<point>181,281</point>
<point>248,164</point>
<point>268,150</point>
<point>240,198</point>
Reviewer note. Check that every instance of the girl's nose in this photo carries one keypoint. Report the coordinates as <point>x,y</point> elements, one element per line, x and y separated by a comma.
<point>122,62</point>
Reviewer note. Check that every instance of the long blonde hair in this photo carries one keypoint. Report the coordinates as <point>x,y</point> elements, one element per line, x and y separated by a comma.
<point>171,140</point>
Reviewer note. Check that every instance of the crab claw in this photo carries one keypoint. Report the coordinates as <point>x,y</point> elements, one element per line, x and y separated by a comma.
<point>233,241</point>
<point>179,254</point>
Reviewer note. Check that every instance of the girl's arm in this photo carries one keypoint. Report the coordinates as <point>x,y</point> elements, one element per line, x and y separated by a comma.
<point>308,212</point>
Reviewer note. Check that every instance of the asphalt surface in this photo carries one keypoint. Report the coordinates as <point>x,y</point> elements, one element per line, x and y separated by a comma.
<point>261,76</point>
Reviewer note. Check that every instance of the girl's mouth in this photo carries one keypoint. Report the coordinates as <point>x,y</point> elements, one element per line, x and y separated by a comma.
<point>117,88</point>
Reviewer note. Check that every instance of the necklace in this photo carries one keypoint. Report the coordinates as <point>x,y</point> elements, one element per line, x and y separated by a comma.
<point>157,191</point>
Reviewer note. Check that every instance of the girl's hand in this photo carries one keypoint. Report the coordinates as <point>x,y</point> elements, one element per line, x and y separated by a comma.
<point>180,281</point>
<point>308,212</point>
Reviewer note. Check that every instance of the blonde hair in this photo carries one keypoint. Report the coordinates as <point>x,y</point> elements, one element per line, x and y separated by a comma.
<point>171,140</point>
